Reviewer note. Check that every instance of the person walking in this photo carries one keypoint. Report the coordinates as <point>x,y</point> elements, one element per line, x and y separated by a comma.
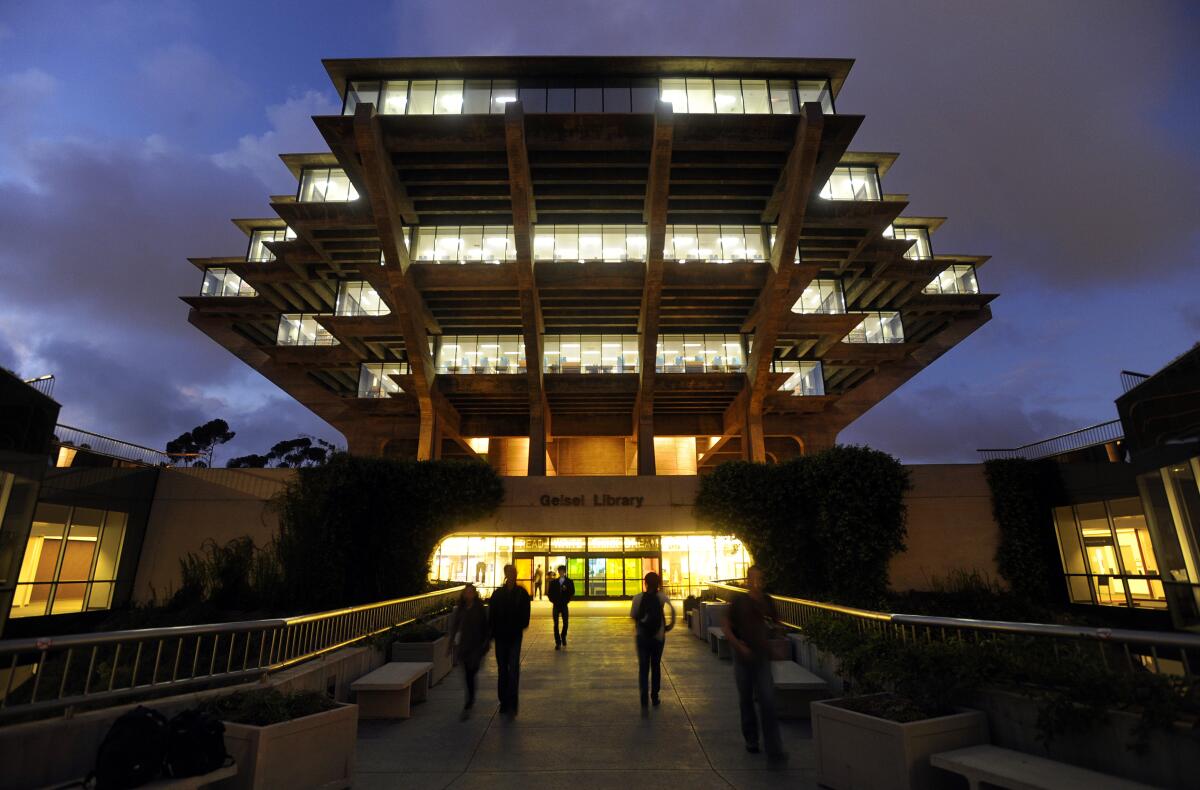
<point>537,582</point>
<point>745,625</point>
<point>651,635</point>
<point>561,591</point>
<point>508,617</point>
<point>469,638</point>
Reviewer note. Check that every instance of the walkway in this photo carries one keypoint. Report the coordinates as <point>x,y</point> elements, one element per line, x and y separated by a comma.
<point>580,724</point>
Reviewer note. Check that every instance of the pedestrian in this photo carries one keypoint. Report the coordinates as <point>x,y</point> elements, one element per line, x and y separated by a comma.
<point>746,625</point>
<point>480,572</point>
<point>651,635</point>
<point>537,582</point>
<point>469,638</point>
<point>561,591</point>
<point>508,616</point>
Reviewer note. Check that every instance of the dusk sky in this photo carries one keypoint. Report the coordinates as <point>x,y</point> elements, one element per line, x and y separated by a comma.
<point>1061,138</point>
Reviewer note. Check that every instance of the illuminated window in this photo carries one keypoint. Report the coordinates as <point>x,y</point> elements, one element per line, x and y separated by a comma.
<point>707,353</point>
<point>806,377</point>
<point>1107,554</point>
<point>590,353</point>
<point>302,329</point>
<point>71,561</point>
<point>732,95</point>
<point>325,185</point>
<point>881,326</point>
<point>920,251</point>
<point>258,252</point>
<point>483,354</point>
<point>821,296</point>
<point>356,297</point>
<point>714,243</point>
<point>956,279</point>
<point>375,379</point>
<point>464,244</point>
<point>852,183</point>
<point>583,243</point>
<point>219,281</point>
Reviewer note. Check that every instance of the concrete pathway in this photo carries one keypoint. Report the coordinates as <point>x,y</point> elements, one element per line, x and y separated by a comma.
<point>580,725</point>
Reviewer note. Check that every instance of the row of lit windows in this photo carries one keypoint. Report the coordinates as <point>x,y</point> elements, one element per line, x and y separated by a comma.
<point>821,296</point>
<point>956,279</point>
<point>258,252</point>
<point>920,251</point>
<point>219,281</point>
<point>355,297</point>
<point>302,329</point>
<point>685,94</point>
<point>806,377</point>
<point>710,353</point>
<point>852,183</point>
<point>480,354</point>
<point>375,379</point>
<point>590,353</point>
<point>325,185</point>
<point>878,326</point>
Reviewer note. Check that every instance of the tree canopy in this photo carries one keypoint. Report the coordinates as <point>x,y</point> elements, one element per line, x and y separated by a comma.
<point>195,447</point>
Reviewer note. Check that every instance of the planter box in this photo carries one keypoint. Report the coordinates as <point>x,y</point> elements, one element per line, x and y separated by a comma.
<point>436,652</point>
<point>313,751</point>
<point>856,751</point>
<point>823,665</point>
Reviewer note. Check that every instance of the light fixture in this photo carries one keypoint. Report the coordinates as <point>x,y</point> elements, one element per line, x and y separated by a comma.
<point>452,102</point>
<point>503,99</point>
<point>726,100</point>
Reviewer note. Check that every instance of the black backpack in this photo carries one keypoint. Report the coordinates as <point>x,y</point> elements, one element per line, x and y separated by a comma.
<point>132,752</point>
<point>650,616</point>
<point>196,744</point>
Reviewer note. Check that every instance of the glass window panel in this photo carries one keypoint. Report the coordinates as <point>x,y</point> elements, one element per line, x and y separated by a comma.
<point>503,92</point>
<point>533,95</point>
<point>674,92</point>
<point>708,239</point>
<point>566,243</point>
<point>635,242</point>
<point>728,96</point>
<point>560,96</point>
<point>755,97</point>
<point>477,95</point>
<point>866,183</point>
<point>589,353</point>
<point>213,282</point>
<point>360,93</point>
<point>700,96</point>
<point>424,249</point>
<point>643,94</point>
<point>108,554</point>
<point>449,97</point>
<point>421,94</point>
<point>589,96</point>
<point>312,185</point>
<point>616,96</point>
<point>395,97</point>
<point>448,245</point>
<point>591,243</point>
<point>472,243</point>
<point>783,97</point>
<point>497,243</point>
<point>614,243</point>
<point>543,242</point>
<point>628,361</point>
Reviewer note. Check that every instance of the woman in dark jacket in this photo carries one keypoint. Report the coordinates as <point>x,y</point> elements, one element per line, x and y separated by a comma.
<point>469,638</point>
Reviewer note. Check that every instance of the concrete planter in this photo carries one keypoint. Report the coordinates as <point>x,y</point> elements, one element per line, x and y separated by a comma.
<point>822,664</point>
<point>856,751</point>
<point>312,751</point>
<point>436,652</point>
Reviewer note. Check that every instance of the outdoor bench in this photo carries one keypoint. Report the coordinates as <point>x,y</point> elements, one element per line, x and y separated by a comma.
<point>795,688</point>
<point>388,692</point>
<point>718,643</point>
<point>184,782</point>
<point>992,766</point>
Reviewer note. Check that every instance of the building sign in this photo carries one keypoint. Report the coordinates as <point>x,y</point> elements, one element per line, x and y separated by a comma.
<point>596,500</point>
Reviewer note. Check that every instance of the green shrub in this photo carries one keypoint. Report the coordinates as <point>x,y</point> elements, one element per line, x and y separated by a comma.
<point>262,707</point>
<point>359,530</point>
<point>237,576</point>
<point>821,526</point>
<point>1024,494</point>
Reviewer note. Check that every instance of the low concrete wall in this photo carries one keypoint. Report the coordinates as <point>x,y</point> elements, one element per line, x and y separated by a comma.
<point>194,505</point>
<point>950,526</point>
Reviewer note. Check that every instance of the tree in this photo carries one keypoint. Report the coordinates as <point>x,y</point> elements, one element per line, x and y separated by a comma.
<point>195,447</point>
<point>303,451</point>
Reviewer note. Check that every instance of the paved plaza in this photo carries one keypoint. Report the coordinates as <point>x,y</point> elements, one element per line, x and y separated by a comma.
<point>580,724</point>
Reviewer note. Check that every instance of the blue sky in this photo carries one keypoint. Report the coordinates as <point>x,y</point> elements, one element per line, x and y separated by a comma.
<point>1059,138</point>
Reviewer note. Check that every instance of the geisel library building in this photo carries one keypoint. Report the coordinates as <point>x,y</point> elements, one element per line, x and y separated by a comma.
<point>598,274</point>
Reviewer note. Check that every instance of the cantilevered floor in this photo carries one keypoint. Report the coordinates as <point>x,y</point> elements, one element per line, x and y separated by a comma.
<point>580,724</point>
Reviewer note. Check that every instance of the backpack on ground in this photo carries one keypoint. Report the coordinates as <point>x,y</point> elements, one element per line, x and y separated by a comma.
<point>196,744</point>
<point>132,752</point>
<point>650,615</point>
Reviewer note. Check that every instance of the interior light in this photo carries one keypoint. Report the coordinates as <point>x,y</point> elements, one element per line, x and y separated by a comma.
<point>674,97</point>
<point>726,100</point>
<point>453,102</point>
<point>504,99</point>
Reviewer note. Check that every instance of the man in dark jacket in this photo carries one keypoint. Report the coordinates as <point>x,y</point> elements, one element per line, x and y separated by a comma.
<point>508,617</point>
<point>560,593</point>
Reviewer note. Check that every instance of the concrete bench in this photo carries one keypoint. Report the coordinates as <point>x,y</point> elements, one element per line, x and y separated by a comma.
<point>388,692</point>
<point>181,783</point>
<point>718,643</point>
<point>991,766</point>
<point>795,688</point>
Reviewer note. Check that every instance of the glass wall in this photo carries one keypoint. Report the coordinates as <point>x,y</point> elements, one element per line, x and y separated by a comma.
<point>356,297</point>
<point>714,243</point>
<point>375,379</point>
<point>700,354</point>
<point>325,185</point>
<point>1107,554</point>
<point>880,326</point>
<point>589,243</point>
<point>481,354</point>
<point>219,281</point>
<point>602,566</point>
<point>640,95</point>
<point>806,379</point>
<point>70,562</point>
<point>302,329</point>
<point>956,279</point>
<point>921,251</point>
<point>852,183</point>
<point>258,252</point>
<point>590,353</point>
<point>821,296</point>
<point>464,244</point>
<point>1171,496</point>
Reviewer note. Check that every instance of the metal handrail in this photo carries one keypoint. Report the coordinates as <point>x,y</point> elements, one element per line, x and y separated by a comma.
<point>1130,379</point>
<point>43,384</point>
<point>1080,439</point>
<point>41,675</point>
<point>1154,648</point>
<point>99,444</point>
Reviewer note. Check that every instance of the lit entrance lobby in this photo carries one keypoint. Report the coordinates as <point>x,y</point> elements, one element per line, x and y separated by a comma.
<point>580,724</point>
